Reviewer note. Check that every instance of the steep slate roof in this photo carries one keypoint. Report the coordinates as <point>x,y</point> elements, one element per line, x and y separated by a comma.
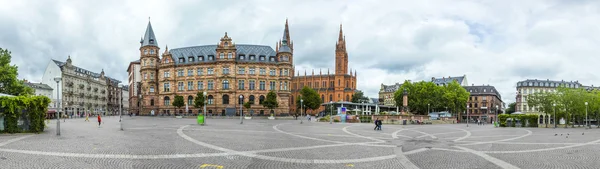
<point>149,38</point>
<point>548,83</point>
<point>375,100</point>
<point>206,50</point>
<point>39,86</point>
<point>482,90</point>
<point>446,80</point>
<point>391,88</point>
<point>84,71</point>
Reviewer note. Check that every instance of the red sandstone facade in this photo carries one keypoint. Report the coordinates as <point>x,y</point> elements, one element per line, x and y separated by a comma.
<point>336,87</point>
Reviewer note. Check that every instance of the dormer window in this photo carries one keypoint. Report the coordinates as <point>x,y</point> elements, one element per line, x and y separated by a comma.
<point>181,60</point>
<point>211,57</point>
<point>272,59</point>
<point>252,57</point>
<point>191,59</point>
<point>261,58</point>
<point>229,55</point>
<point>200,58</point>
<point>242,57</point>
<point>151,41</point>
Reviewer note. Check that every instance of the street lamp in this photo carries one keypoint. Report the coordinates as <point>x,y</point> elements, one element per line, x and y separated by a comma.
<point>428,109</point>
<point>586,114</point>
<point>205,100</point>
<point>496,117</point>
<point>301,107</point>
<point>241,111</point>
<point>554,108</point>
<point>468,116</point>
<point>57,80</point>
<point>120,107</point>
<point>331,113</point>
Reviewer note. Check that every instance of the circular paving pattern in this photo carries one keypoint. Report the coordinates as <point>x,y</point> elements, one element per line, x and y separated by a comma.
<point>224,143</point>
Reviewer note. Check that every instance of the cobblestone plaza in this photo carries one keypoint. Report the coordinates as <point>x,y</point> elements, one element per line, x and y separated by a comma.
<point>224,143</point>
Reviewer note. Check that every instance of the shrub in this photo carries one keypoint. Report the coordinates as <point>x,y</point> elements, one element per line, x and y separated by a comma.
<point>336,120</point>
<point>32,107</point>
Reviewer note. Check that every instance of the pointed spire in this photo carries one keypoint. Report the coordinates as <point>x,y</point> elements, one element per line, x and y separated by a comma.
<point>320,72</point>
<point>327,70</point>
<point>341,37</point>
<point>286,32</point>
<point>354,73</point>
<point>149,37</point>
<point>313,72</point>
<point>284,45</point>
<point>304,72</point>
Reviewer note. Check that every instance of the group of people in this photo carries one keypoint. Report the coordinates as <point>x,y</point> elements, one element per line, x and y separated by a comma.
<point>377,124</point>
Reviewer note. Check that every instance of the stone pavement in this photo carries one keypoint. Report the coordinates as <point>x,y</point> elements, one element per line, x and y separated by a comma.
<point>149,142</point>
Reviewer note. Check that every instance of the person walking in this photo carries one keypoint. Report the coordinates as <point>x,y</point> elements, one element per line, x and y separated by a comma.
<point>87,117</point>
<point>376,124</point>
<point>99,120</point>
<point>379,123</point>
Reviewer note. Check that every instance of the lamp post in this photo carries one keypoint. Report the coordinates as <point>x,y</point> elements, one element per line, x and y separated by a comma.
<point>496,117</point>
<point>241,113</point>
<point>120,106</point>
<point>468,116</point>
<point>331,113</point>
<point>554,117</point>
<point>586,115</point>
<point>205,100</point>
<point>301,108</point>
<point>428,109</point>
<point>57,80</point>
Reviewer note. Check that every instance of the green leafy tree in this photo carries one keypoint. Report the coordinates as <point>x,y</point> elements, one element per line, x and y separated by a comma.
<point>511,108</point>
<point>248,105</point>
<point>9,84</point>
<point>542,101</point>
<point>310,97</point>
<point>178,101</point>
<point>359,97</point>
<point>427,96</point>
<point>199,100</point>
<point>271,101</point>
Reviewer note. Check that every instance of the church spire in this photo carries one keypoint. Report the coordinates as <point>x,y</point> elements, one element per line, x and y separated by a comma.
<point>341,36</point>
<point>149,38</point>
<point>284,45</point>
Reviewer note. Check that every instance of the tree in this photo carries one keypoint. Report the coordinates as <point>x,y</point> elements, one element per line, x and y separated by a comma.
<point>542,101</point>
<point>9,84</point>
<point>271,101</point>
<point>199,100</point>
<point>178,101</point>
<point>426,96</point>
<point>511,108</point>
<point>248,105</point>
<point>359,97</point>
<point>310,97</point>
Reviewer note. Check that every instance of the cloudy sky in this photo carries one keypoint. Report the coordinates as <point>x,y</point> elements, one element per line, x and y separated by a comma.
<point>492,42</point>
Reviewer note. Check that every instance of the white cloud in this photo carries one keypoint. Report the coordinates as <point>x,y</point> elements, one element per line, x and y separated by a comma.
<point>492,42</point>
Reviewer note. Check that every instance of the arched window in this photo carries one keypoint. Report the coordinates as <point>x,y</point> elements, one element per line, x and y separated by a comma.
<point>167,101</point>
<point>211,99</point>
<point>322,98</point>
<point>261,99</point>
<point>225,99</point>
<point>190,100</point>
<point>145,51</point>
<point>151,102</point>
<point>225,84</point>
<point>330,97</point>
<point>251,98</point>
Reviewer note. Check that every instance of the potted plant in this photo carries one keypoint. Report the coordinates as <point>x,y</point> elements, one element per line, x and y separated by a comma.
<point>272,117</point>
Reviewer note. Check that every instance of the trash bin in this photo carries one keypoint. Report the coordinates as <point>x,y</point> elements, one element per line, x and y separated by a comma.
<point>403,122</point>
<point>200,119</point>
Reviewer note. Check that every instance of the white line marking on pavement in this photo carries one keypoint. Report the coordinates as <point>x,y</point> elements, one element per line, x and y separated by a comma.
<point>415,151</point>
<point>345,129</point>
<point>311,138</point>
<point>496,161</point>
<point>545,149</point>
<point>508,139</point>
<point>247,154</point>
<point>14,140</point>
<point>425,134</point>
<point>405,162</point>
<point>395,134</point>
<point>463,137</point>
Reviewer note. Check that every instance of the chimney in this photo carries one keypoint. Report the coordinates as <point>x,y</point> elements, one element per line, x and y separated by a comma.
<point>472,84</point>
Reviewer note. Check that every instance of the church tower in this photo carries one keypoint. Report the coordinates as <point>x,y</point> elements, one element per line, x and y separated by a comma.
<point>341,56</point>
<point>149,61</point>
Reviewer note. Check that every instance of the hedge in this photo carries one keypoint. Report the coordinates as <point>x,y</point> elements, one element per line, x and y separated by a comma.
<point>525,118</point>
<point>33,107</point>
